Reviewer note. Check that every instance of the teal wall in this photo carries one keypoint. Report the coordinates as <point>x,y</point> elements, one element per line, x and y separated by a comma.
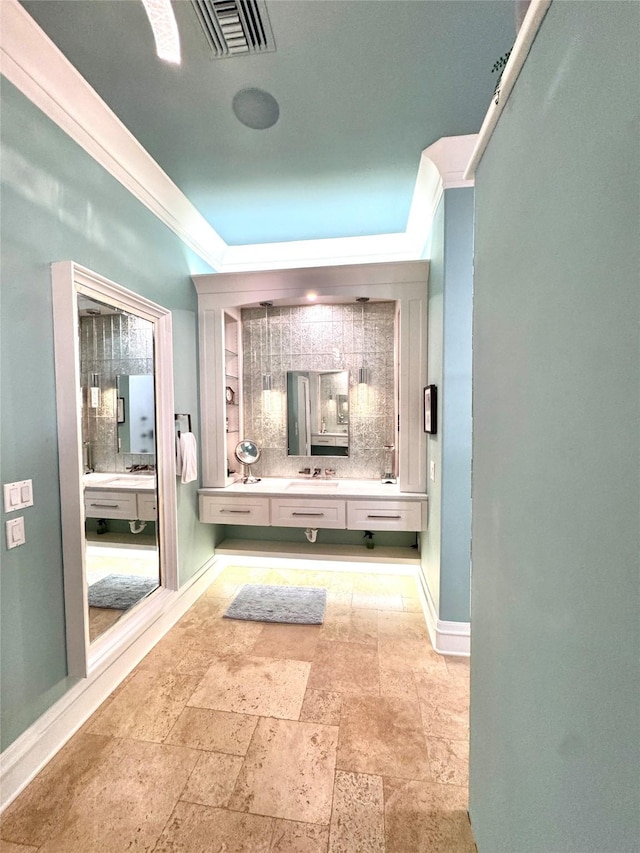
<point>555,680</point>
<point>446,543</point>
<point>58,204</point>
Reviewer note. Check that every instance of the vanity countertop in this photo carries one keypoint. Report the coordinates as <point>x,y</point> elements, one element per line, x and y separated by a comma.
<point>138,482</point>
<point>316,488</point>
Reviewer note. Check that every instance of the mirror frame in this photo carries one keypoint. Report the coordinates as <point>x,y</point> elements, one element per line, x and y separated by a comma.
<point>68,280</point>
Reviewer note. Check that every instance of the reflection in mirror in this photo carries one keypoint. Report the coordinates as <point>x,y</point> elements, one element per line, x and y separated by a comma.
<point>119,453</point>
<point>135,417</point>
<point>317,413</point>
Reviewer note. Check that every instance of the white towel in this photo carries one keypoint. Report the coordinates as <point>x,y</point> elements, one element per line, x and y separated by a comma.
<point>188,457</point>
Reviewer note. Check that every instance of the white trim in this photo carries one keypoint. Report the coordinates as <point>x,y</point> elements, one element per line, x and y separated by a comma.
<point>68,279</point>
<point>522,45</point>
<point>27,755</point>
<point>447,638</point>
<point>35,65</point>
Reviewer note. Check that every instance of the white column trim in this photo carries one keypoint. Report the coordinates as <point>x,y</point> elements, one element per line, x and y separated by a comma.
<point>521,47</point>
<point>447,638</point>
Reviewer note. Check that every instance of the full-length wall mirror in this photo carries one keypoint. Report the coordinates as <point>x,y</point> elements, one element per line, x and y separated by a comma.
<point>117,369</point>
<point>114,394</point>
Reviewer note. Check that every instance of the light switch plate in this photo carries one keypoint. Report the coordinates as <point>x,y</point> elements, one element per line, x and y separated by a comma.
<point>15,532</point>
<point>18,495</point>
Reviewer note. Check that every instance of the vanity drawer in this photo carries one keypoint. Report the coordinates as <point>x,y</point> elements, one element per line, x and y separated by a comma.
<point>228,510</point>
<point>307,512</point>
<point>385,515</point>
<point>110,504</point>
<point>147,506</point>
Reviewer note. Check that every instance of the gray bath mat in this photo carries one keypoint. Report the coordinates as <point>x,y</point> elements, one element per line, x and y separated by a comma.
<point>300,605</point>
<point>120,592</point>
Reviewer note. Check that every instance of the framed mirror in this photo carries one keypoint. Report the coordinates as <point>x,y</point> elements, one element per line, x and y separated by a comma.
<point>105,490</point>
<point>318,413</point>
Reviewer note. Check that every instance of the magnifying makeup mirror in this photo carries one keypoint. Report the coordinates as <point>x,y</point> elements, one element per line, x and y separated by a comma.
<point>247,452</point>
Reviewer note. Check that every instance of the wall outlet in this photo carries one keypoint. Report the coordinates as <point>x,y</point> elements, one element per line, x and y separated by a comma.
<point>432,470</point>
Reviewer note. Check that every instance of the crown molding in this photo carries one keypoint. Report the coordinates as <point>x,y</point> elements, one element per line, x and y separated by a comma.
<point>35,65</point>
<point>521,47</point>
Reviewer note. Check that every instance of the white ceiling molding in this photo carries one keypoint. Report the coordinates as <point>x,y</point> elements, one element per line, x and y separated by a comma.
<point>521,47</point>
<point>35,65</point>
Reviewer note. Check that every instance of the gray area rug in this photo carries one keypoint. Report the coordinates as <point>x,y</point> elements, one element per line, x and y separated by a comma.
<point>120,592</point>
<point>299,605</point>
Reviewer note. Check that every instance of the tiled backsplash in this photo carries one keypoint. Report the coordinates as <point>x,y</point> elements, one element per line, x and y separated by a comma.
<point>111,345</point>
<point>320,337</point>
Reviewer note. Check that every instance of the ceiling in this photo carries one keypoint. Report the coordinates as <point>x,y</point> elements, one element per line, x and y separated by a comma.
<point>363,86</point>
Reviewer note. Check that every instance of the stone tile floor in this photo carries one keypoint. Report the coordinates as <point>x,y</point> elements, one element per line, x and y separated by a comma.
<point>243,737</point>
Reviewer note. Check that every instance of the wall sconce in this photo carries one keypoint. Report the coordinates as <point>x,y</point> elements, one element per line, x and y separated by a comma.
<point>94,391</point>
<point>363,376</point>
<point>266,382</point>
<point>266,377</point>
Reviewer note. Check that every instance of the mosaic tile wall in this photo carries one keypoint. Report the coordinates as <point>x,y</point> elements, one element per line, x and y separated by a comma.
<point>320,337</point>
<point>111,345</point>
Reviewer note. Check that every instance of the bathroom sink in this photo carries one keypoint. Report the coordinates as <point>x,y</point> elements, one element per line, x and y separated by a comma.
<point>312,486</point>
<point>132,481</point>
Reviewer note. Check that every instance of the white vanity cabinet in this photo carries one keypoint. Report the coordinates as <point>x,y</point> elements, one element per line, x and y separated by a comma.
<point>228,509</point>
<point>107,503</point>
<point>386,515</point>
<point>345,505</point>
<point>308,512</point>
<point>129,505</point>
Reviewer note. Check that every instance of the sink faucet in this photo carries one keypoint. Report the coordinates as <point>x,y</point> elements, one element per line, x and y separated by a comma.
<point>305,471</point>
<point>329,472</point>
<point>317,472</point>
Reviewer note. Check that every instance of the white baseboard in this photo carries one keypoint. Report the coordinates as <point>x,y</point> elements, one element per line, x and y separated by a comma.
<point>27,755</point>
<point>447,638</point>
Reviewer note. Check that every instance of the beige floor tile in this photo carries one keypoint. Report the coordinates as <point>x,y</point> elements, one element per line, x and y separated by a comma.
<point>227,637</point>
<point>10,847</point>
<point>167,654</point>
<point>404,655</point>
<point>101,619</point>
<point>376,600</point>
<point>127,801</point>
<point>398,685</point>
<point>215,731</point>
<point>288,771</point>
<point>202,829</point>
<point>423,816</point>
<point>357,819</point>
<point>321,706</point>
<point>201,615</point>
<point>289,836</point>
<point>147,708</point>
<point>345,668</point>
<point>42,807</point>
<point>254,685</point>
<point>292,642</point>
<point>382,736</point>
<point>411,605</point>
<point>449,761</point>
<point>444,706</point>
<point>360,627</point>
<point>458,667</point>
<point>212,780</point>
<point>223,588</point>
<point>402,625</point>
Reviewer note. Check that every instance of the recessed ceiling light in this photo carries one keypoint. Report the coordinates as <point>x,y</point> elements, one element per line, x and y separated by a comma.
<point>256,108</point>
<point>165,29</point>
<point>312,296</point>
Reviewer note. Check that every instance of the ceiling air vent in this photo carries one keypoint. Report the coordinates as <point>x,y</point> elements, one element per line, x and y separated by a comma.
<point>234,27</point>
